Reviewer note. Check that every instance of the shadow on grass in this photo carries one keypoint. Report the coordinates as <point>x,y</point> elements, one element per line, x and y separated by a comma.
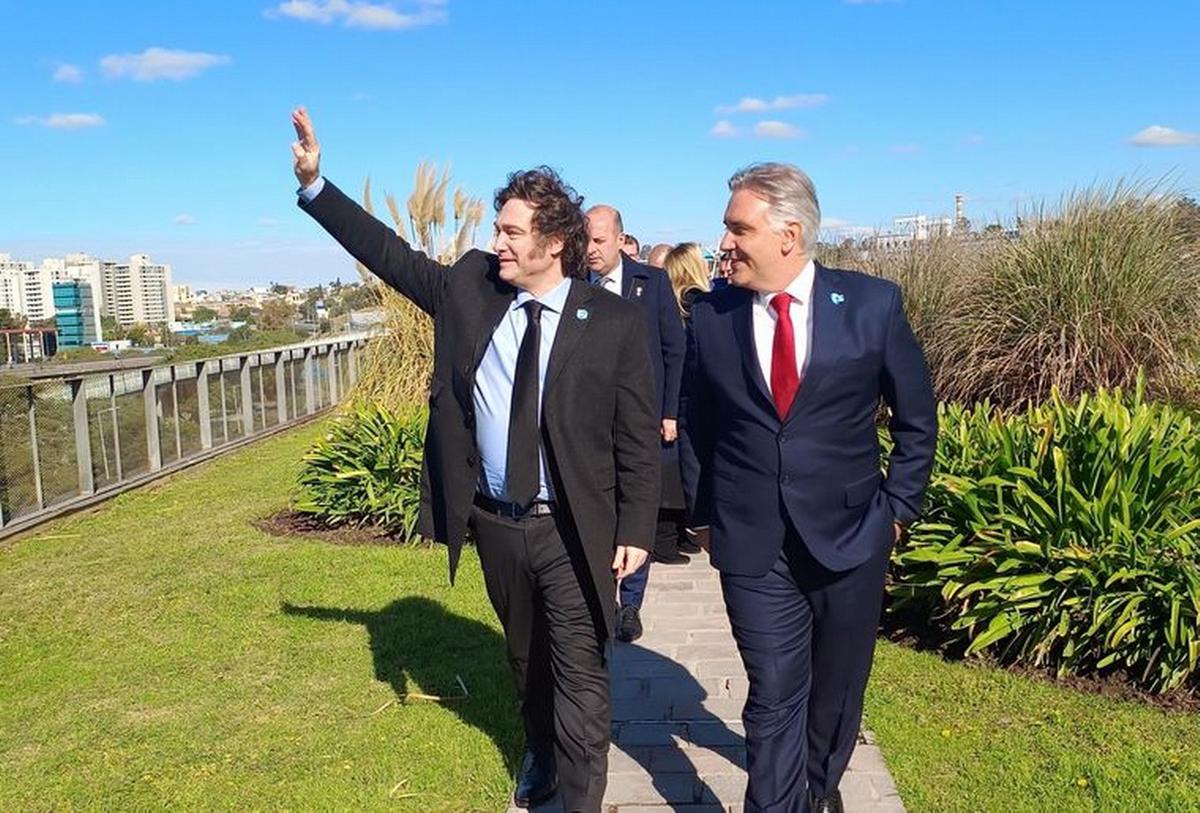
<point>416,639</point>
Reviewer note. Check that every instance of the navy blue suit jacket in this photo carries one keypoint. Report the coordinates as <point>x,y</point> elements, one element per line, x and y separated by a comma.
<point>750,475</point>
<point>651,288</point>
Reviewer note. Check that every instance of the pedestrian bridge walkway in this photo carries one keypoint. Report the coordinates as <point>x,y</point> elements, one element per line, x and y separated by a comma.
<point>677,702</point>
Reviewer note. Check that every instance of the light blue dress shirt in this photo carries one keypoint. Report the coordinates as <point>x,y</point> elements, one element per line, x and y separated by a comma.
<point>494,386</point>
<point>312,190</point>
<point>494,380</point>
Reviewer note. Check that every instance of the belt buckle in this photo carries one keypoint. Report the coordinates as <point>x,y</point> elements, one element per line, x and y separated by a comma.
<point>537,508</point>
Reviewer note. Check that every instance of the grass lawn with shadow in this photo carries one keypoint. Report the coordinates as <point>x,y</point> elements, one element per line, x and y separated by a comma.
<point>159,652</point>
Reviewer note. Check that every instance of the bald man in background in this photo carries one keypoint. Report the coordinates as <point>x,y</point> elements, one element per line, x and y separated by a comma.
<point>624,276</point>
<point>658,255</point>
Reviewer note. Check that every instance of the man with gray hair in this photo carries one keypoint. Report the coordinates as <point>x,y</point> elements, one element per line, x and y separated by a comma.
<point>785,370</point>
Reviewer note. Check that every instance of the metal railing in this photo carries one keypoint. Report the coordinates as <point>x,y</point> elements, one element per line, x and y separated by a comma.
<point>69,441</point>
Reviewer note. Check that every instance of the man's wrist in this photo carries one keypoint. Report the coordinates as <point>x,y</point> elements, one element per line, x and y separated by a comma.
<point>310,190</point>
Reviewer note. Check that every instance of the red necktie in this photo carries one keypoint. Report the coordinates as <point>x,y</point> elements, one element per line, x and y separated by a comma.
<point>785,377</point>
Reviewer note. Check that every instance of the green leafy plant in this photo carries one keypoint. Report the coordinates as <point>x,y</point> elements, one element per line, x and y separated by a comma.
<point>366,471</point>
<point>1065,536</point>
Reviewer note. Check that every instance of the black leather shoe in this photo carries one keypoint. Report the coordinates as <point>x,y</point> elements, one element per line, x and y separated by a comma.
<point>536,782</point>
<point>831,803</point>
<point>629,624</point>
<point>689,547</point>
<point>675,558</point>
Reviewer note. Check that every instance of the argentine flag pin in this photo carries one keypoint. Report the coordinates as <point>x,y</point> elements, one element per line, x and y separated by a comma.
<point>581,313</point>
<point>836,298</point>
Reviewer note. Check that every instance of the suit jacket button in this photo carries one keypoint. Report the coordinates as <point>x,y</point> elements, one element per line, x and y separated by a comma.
<point>786,478</point>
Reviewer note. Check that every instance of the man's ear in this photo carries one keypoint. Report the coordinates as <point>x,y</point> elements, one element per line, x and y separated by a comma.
<point>554,245</point>
<point>793,238</point>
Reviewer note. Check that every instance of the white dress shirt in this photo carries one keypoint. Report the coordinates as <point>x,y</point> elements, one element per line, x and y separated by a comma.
<point>801,313</point>
<point>611,281</point>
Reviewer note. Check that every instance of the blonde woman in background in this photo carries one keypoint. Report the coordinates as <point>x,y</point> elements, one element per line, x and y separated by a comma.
<point>688,272</point>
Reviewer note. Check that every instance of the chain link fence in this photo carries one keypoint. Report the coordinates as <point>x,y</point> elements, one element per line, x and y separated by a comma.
<point>66,441</point>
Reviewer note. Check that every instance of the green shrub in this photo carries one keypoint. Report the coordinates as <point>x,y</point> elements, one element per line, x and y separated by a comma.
<point>1067,536</point>
<point>366,471</point>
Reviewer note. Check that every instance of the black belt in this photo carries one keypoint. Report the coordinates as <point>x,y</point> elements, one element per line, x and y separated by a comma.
<point>538,508</point>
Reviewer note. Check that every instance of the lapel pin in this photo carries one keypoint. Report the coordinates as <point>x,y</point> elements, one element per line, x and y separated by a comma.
<point>836,298</point>
<point>581,313</point>
<point>637,291</point>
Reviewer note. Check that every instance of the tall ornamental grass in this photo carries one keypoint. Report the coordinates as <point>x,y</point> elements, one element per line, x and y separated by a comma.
<point>1104,284</point>
<point>1066,536</point>
<point>1088,295</point>
<point>399,362</point>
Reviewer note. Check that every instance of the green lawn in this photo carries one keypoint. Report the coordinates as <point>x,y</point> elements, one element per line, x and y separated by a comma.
<point>160,652</point>
<point>959,737</point>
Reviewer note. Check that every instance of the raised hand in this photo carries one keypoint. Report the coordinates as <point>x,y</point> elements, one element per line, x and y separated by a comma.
<point>306,152</point>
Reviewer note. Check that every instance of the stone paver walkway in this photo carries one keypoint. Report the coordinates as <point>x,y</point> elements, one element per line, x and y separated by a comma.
<point>677,703</point>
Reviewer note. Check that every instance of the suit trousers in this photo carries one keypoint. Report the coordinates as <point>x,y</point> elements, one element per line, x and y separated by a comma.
<point>556,656</point>
<point>806,635</point>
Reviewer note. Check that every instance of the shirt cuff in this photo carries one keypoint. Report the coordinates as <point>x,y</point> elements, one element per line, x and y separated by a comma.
<point>312,190</point>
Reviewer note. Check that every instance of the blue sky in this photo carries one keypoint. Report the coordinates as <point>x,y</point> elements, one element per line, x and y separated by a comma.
<point>163,127</point>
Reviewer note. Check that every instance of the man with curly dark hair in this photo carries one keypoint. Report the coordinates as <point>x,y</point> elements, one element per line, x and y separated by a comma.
<point>547,452</point>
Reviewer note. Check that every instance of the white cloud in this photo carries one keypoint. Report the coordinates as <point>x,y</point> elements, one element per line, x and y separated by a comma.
<point>724,129</point>
<point>751,104</point>
<point>68,74</point>
<point>763,129</point>
<point>160,63</point>
<point>1158,136</point>
<point>905,149</point>
<point>63,121</point>
<point>358,14</point>
<point>184,219</point>
<point>777,129</point>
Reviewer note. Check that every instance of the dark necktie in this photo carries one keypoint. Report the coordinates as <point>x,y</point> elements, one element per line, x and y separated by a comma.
<point>523,474</point>
<point>785,377</point>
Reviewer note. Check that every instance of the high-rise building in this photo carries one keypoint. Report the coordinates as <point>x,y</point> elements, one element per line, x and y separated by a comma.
<point>76,315</point>
<point>12,286</point>
<point>137,291</point>
<point>25,290</point>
